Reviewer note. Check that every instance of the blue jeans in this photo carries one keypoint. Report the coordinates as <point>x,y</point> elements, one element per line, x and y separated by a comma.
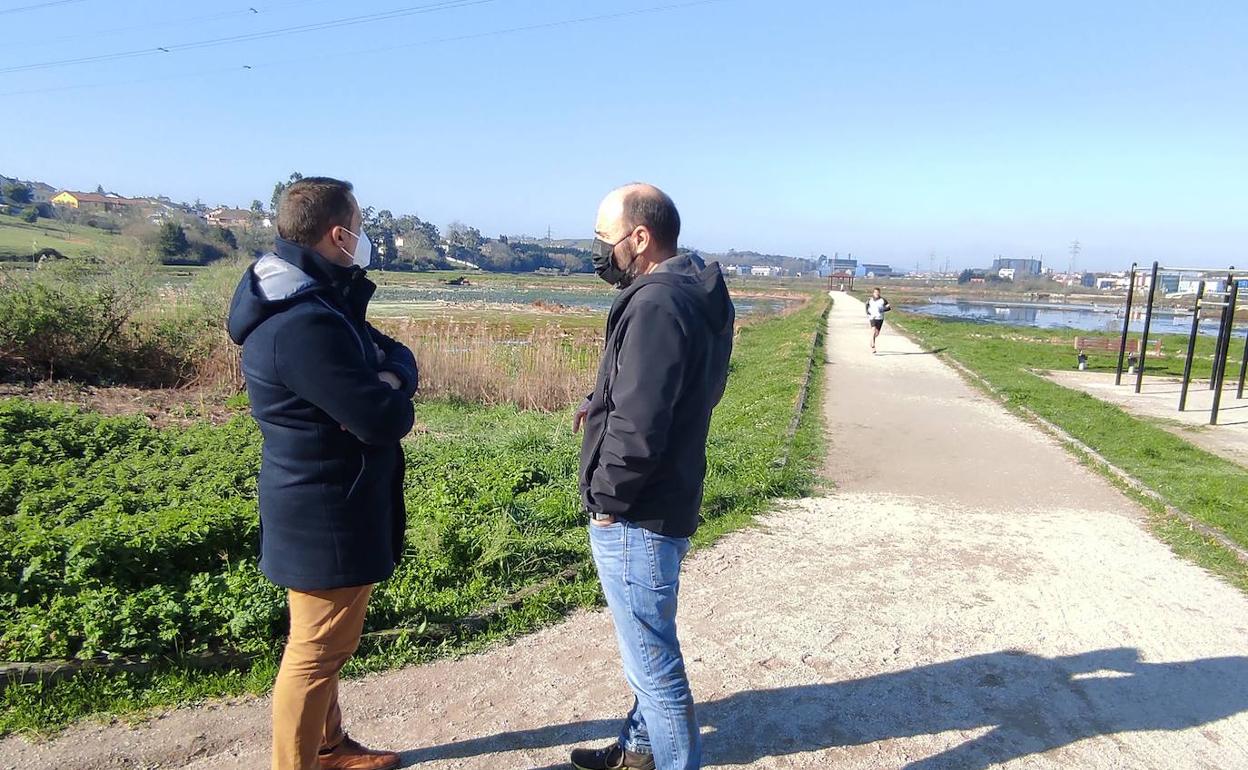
<point>640,575</point>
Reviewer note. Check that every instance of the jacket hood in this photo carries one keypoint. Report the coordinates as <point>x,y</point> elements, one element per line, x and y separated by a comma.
<point>704,284</point>
<point>276,280</point>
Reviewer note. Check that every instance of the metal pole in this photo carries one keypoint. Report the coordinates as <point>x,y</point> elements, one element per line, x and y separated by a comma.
<point>1148,320</point>
<point>1225,340</point>
<point>1191,345</point>
<point>1243,363</point>
<point>1126,324</point>
<point>1217,347</point>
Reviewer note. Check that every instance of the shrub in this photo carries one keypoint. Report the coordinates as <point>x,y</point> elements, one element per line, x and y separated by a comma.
<point>69,319</point>
<point>171,240</point>
<point>106,322</point>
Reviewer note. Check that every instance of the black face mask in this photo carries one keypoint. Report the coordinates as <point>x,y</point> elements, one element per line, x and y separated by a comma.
<point>604,265</point>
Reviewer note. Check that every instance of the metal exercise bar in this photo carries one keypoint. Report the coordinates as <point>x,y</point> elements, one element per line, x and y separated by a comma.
<point>1193,269</point>
<point>1126,325</point>
<point>1148,320</point>
<point>1217,346</point>
<point>1224,340</point>
<point>1243,363</point>
<point>1191,345</point>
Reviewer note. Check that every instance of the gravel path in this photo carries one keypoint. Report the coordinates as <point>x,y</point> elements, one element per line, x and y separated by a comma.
<point>969,597</point>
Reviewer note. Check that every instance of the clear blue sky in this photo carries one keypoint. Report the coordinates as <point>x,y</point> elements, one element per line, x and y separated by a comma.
<point>891,130</point>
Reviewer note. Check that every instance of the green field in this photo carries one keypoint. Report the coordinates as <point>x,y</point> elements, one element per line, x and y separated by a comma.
<point>125,540</point>
<point>19,239</point>
<point>1201,484</point>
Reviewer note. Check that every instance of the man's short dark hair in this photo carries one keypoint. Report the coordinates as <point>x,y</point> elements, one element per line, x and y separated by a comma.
<point>653,208</point>
<point>312,206</point>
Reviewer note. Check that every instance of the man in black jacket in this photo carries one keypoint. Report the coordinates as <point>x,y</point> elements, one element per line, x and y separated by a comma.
<point>333,397</point>
<point>643,460</point>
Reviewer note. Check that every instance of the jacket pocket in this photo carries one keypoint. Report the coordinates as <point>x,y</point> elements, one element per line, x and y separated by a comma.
<point>608,379</point>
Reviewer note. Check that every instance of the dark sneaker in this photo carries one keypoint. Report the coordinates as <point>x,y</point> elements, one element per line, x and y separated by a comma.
<point>613,757</point>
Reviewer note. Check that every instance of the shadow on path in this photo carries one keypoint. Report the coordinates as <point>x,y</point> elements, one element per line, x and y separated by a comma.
<point>1029,704</point>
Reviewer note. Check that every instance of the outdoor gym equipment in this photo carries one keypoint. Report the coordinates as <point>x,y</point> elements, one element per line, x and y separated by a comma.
<point>1223,295</point>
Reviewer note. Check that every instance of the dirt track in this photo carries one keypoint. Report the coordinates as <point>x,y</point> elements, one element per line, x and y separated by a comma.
<point>969,598</point>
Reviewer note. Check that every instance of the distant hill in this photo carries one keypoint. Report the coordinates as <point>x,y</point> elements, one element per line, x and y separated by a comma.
<point>43,191</point>
<point>755,259</point>
<point>517,252</point>
<point>730,257</point>
<point>581,244</point>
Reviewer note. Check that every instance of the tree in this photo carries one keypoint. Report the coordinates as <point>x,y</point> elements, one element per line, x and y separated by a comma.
<point>430,231</point>
<point>227,237</point>
<point>386,250</point>
<point>99,189</point>
<point>380,227</point>
<point>497,255</point>
<point>257,207</point>
<point>280,188</point>
<point>30,215</point>
<point>254,241</point>
<point>171,241</point>
<point>19,193</point>
<point>463,236</point>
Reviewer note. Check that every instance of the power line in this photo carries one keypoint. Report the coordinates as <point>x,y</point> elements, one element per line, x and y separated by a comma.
<point>528,28</point>
<point>37,6</point>
<point>251,36</point>
<point>258,10</point>
<point>381,49</point>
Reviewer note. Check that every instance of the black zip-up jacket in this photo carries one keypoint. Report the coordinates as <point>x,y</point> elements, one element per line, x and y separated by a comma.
<point>331,473</point>
<point>664,368</point>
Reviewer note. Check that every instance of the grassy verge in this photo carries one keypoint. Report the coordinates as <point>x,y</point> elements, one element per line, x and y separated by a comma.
<point>20,239</point>
<point>1203,485</point>
<point>127,540</point>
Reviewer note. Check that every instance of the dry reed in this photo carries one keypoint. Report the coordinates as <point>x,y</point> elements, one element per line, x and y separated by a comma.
<point>547,368</point>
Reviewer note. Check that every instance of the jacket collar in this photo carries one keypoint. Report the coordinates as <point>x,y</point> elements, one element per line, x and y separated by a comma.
<point>689,274</point>
<point>348,285</point>
<point>317,267</point>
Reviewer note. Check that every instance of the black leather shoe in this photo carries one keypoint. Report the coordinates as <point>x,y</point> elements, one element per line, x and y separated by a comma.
<point>613,757</point>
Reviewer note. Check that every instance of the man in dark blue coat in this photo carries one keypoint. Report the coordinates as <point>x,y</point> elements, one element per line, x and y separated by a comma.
<point>333,397</point>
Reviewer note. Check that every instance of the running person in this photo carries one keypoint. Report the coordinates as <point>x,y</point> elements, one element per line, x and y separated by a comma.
<point>877,306</point>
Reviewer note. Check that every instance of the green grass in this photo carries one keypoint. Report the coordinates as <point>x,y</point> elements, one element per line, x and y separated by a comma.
<point>1201,484</point>
<point>123,539</point>
<point>19,239</point>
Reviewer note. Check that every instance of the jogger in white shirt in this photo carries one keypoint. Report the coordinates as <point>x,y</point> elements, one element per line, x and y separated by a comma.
<point>877,306</point>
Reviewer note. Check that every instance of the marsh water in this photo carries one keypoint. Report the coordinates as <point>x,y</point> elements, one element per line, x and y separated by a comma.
<point>1101,318</point>
<point>590,300</point>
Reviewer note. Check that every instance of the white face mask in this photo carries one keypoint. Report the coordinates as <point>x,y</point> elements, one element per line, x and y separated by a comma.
<point>363,249</point>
